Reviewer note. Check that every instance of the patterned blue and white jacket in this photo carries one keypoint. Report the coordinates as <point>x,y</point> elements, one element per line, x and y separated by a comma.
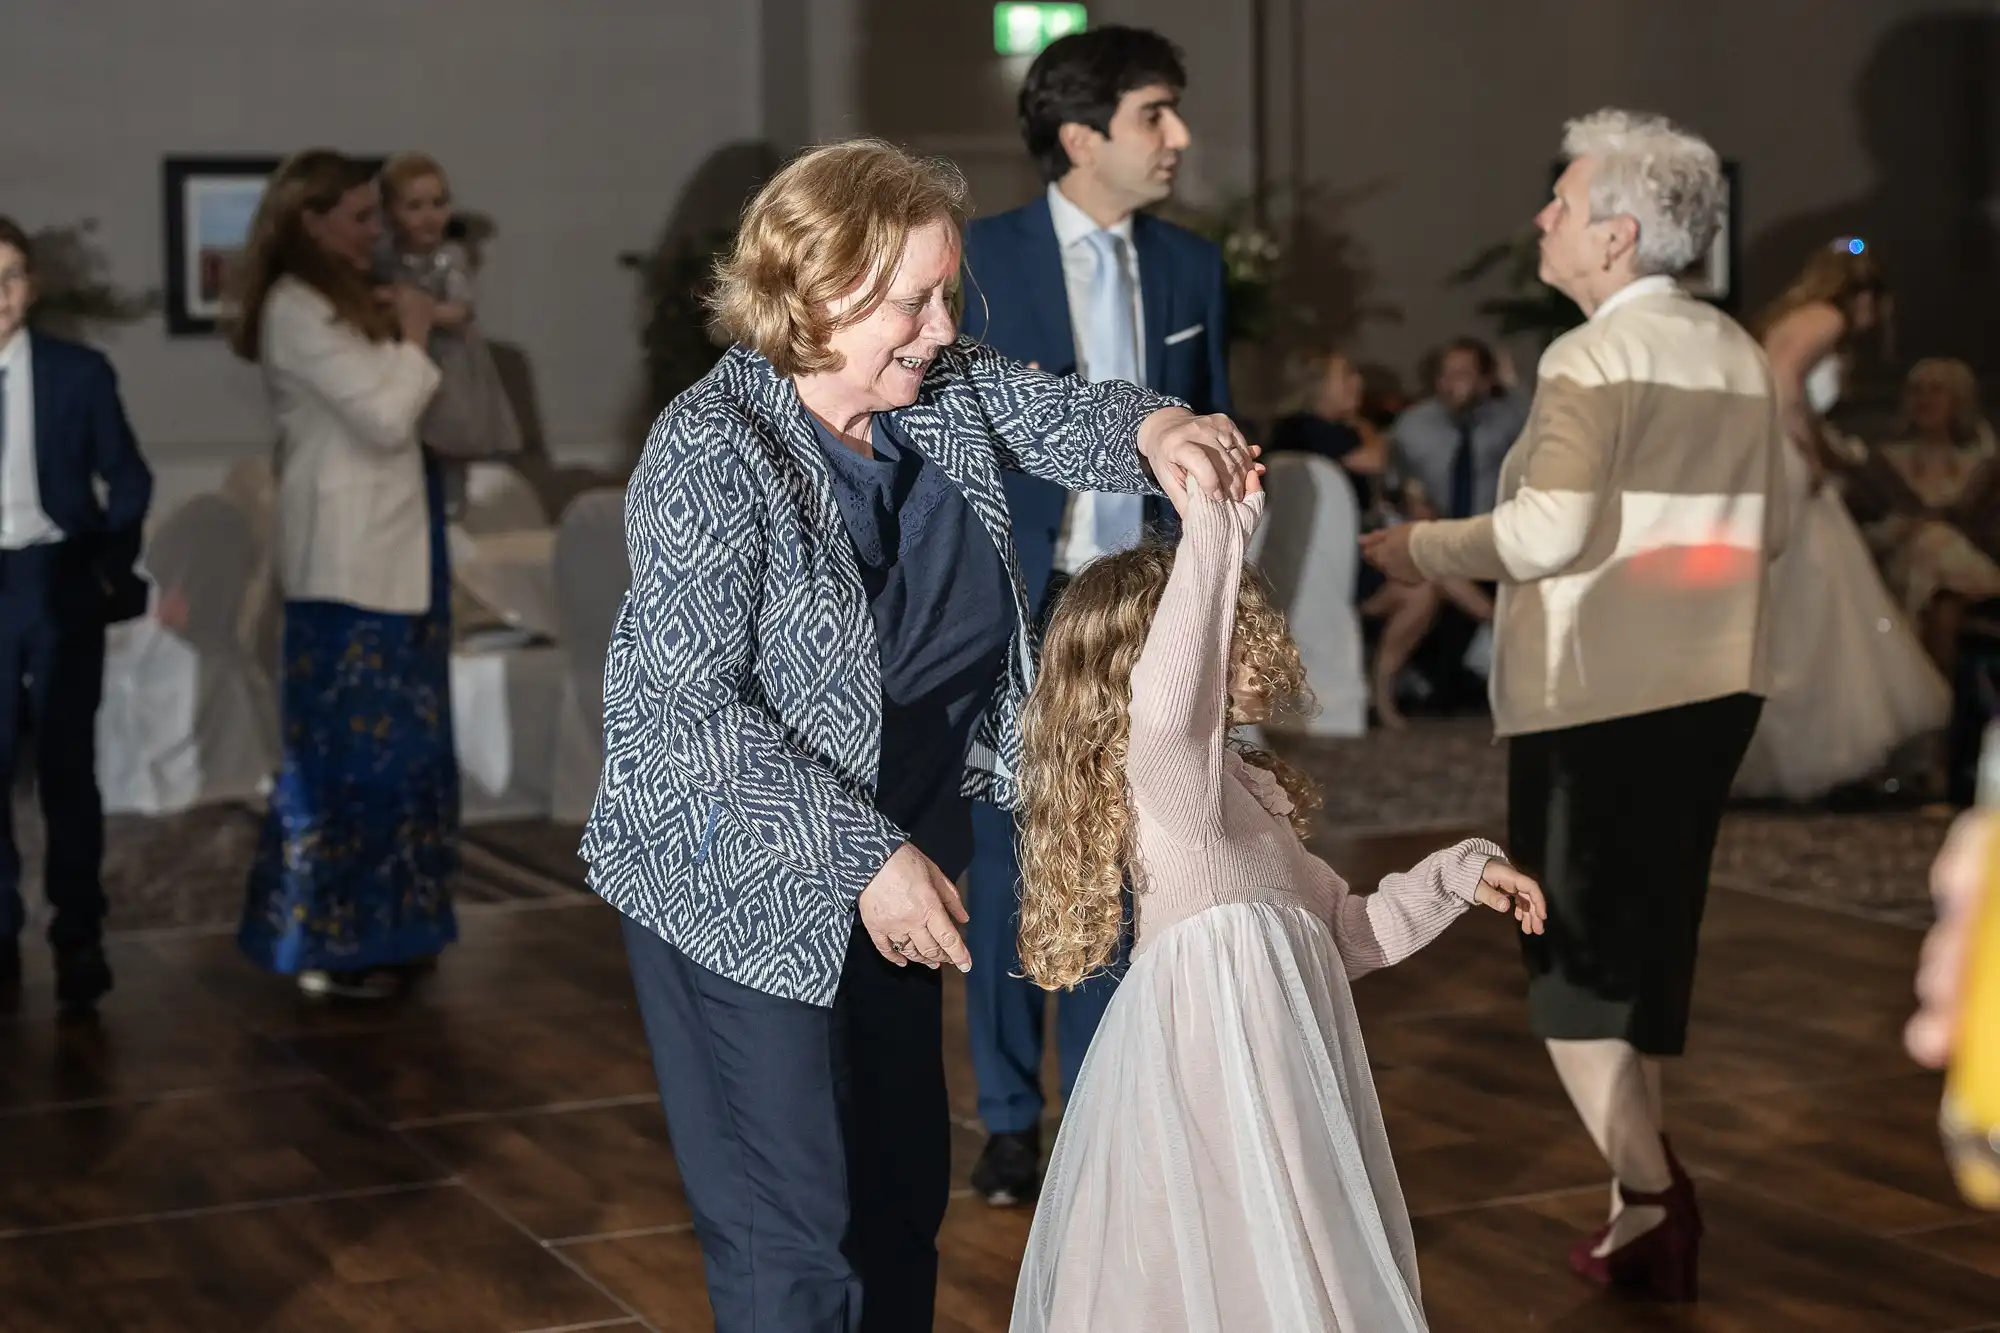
<point>743,691</point>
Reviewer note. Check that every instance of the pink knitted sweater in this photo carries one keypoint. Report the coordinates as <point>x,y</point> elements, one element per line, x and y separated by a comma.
<point>1212,829</point>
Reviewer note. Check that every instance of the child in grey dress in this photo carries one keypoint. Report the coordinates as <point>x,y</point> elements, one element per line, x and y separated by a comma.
<point>470,417</point>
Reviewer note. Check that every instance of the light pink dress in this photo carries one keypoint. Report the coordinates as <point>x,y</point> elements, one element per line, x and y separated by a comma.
<point>1222,1164</point>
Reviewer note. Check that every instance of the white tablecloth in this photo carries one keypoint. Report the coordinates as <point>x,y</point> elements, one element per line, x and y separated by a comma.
<point>174,733</point>
<point>178,729</point>
<point>183,725</point>
<point>505,704</point>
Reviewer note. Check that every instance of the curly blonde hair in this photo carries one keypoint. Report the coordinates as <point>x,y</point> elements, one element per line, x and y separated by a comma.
<point>1076,808</point>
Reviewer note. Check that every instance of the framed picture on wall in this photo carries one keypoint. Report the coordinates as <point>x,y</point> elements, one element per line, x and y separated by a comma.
<point>1717,277</point>
<point>209,203</point>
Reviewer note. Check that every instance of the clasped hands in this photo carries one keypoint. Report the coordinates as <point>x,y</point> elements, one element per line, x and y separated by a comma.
<point>1209,452</point>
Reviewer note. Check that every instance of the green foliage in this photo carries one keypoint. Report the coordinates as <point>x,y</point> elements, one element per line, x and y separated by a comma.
<point>1527,304</point>
<point>73,288</point>
<point>676,280</point>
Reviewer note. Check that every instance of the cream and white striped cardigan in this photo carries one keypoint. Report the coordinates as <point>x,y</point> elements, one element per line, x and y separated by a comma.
<point>1639,512</point>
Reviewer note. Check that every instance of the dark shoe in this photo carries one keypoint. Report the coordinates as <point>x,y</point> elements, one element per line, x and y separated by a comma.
<point>1679,1201</point>
<point>1661,1264</point>
<point>82,979</point>
<point>1009,1172</point>
<point>1682,1191</point>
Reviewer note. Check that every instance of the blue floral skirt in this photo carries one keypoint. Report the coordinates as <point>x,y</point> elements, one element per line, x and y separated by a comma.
<point>354,867</point>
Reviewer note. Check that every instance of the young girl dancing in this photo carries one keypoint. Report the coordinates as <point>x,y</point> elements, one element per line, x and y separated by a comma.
<point>1222,1163</point>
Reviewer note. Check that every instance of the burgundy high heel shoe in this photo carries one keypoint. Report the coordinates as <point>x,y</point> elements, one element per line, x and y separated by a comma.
<point>1661,1263</point>
<point>1682,1188</point>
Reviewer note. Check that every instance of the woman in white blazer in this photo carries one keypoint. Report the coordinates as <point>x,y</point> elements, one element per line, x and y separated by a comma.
<point>350,890</point>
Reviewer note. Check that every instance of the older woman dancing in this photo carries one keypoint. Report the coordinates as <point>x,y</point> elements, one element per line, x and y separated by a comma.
<point>823,655</point>
<point>1639,512</point>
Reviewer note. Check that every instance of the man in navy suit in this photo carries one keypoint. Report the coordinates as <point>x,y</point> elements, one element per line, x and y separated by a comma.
<point>1082,282</point>
<point>66,571</point>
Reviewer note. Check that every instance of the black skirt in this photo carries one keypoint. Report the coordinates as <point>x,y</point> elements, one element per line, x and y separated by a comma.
<point>1618,820</point>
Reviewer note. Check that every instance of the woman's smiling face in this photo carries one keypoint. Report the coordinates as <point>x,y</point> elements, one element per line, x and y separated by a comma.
<point>885,354</point>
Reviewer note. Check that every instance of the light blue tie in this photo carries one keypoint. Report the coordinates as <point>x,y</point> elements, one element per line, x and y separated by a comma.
<point>1111,352</point>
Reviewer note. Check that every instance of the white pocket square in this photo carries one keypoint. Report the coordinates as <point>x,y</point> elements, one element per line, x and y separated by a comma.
<point>1185,334</point>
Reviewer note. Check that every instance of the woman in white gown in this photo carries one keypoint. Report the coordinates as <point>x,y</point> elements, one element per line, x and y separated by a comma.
<point>1222,1165</point>
<point>1850,682</point>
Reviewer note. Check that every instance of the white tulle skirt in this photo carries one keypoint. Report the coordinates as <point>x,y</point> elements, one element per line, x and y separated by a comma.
<point>1849,681</point>
<point>1222,1165</point>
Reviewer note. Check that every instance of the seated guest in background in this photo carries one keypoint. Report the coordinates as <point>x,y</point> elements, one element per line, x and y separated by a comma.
<point>66,559</point>
<point>1445,456</point>
<point>1323,414</point>
<point>350,890</point>
<point>1082,281</point>
<point>1942,499</point>
<point>1325,393</point>
<point>1448,448</point>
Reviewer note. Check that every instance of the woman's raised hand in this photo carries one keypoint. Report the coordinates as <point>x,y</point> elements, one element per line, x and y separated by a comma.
<point>1505,889</point>
<point>1209,451</point>
<point>913,912</point>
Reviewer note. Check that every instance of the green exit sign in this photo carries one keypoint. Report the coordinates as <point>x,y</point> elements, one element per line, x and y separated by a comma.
<point>1024,29</point>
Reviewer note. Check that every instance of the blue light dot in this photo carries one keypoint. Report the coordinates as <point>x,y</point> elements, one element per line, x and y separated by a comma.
<point>1856,246</point>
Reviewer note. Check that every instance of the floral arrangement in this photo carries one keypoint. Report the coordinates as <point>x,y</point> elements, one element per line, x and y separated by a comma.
<point>676,279</point>
<point>1252,258</point>
<point>1300,282</point>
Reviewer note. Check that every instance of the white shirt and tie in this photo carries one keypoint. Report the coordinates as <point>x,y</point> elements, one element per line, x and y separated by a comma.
<point>1106,316</point>
<point>23,521</point>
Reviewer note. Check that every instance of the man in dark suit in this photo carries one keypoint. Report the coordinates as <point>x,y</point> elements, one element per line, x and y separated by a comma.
<point>1079,281</point>
<point>66,571</point>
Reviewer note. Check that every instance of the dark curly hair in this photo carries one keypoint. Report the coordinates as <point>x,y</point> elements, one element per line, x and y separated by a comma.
<point>1080,79</point>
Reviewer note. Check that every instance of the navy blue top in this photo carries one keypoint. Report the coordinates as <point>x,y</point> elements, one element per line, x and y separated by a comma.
<point>944,623</point>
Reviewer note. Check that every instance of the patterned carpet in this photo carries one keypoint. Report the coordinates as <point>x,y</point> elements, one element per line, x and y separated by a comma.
<point>187,871</point>
<point>1447,774</point>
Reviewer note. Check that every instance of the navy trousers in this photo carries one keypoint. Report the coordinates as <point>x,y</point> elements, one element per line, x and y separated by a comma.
<point>51,681</point>
<point>1004,1012</point>
<point>814,1145</point>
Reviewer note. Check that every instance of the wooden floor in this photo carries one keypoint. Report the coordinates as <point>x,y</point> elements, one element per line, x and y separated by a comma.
<point>218,1155</point>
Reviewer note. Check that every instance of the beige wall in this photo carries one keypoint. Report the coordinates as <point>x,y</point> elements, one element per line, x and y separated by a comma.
<point>582,125</point>
<point>575,125</point>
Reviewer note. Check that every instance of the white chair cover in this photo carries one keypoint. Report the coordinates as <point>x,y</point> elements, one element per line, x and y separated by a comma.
<point>1307,549</point>
<point>189,716</point>
<point>506,577</point>
<point>591,575</point>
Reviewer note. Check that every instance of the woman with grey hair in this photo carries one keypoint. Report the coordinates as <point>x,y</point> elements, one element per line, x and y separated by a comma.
<point>1639,513</point>
<point>823,654</point>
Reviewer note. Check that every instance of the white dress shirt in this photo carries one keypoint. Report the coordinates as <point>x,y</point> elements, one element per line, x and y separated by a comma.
<point>23,521</point>
<point>1075,543</point>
